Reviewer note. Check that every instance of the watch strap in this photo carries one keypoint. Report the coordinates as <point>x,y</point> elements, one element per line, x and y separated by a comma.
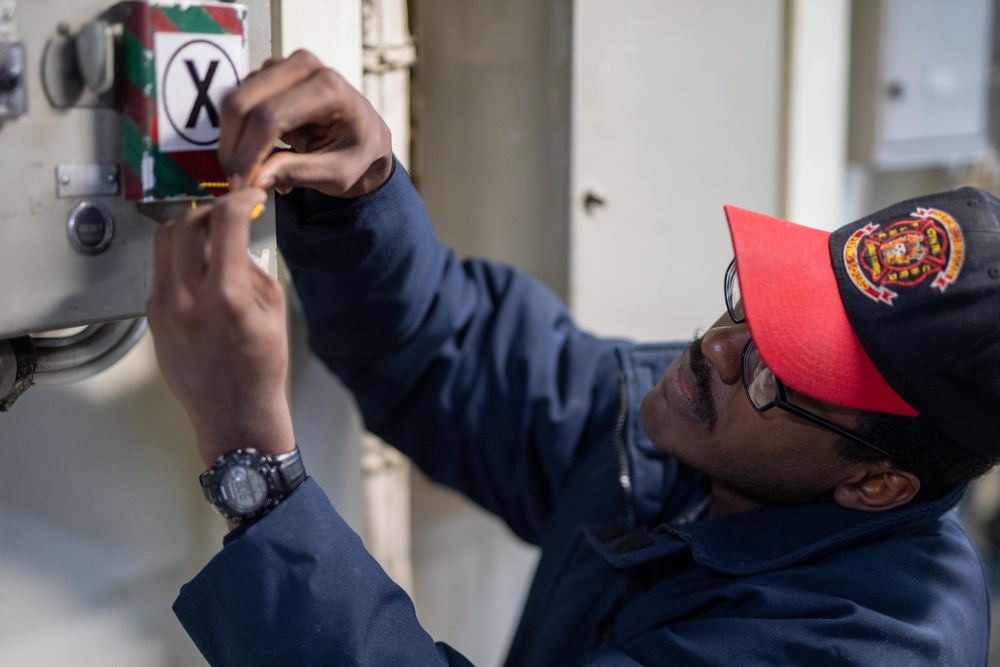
<point>290,470</point>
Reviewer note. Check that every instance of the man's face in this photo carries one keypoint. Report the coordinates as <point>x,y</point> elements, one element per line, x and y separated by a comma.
<point>700,414</point>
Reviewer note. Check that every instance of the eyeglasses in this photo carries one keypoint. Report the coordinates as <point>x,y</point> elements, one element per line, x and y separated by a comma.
<point>764,389</point>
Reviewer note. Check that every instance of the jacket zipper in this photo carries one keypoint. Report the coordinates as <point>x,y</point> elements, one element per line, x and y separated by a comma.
<point>624,476</point>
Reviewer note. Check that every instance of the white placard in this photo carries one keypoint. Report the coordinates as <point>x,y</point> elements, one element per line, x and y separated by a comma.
<point>193,73</point>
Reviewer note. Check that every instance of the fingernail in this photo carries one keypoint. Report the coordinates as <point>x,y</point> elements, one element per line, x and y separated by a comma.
<point>257,210</point>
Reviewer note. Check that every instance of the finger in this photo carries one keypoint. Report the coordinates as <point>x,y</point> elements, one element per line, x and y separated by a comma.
<point>324,103</point>
<point>190,238</point>
<point>268,84</point>
<point>270,62</point>
<point>229,233</point>
<point>335,172</point>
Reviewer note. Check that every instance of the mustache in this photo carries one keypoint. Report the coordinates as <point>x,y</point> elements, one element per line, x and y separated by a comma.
<point>704,399</point>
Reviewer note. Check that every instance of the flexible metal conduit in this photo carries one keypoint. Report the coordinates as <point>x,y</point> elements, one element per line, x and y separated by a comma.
<point>95,348</point>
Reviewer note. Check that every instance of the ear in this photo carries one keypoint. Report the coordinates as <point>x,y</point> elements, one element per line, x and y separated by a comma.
<point>876,487</point>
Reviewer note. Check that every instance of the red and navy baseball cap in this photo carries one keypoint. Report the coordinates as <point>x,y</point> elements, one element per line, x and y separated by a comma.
<point>898,312</point>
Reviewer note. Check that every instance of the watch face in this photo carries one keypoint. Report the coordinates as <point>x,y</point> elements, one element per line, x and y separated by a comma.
<point>243,489</point>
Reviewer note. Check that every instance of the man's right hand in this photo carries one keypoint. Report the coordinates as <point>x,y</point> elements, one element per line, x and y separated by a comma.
<point>342,147</point>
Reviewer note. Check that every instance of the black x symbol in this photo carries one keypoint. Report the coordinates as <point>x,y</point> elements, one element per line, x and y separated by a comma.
<point>202,85</point>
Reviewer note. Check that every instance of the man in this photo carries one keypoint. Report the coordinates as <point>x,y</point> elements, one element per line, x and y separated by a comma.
<point>682,519</point>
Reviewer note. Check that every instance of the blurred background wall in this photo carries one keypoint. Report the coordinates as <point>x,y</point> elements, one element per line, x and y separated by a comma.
<point>591,142</point>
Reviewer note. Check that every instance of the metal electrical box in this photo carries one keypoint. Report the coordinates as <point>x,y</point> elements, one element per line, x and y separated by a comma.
<point>920,82</point>
<point>74,249</point>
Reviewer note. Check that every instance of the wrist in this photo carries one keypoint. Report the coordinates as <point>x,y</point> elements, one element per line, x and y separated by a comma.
<point>268,434</point>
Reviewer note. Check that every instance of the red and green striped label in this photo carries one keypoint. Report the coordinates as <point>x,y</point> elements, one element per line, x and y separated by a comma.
<point>151,174</point>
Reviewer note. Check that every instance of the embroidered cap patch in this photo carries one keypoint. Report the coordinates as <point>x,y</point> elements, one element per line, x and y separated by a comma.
<point>883,261</point>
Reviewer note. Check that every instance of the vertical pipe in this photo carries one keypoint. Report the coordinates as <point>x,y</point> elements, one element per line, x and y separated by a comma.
<point>386,83</point>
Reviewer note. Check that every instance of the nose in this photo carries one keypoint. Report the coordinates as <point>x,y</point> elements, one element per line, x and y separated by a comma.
<point>723,346</point>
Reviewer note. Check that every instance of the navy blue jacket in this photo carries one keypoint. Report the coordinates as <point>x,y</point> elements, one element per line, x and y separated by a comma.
<point>478,373</point>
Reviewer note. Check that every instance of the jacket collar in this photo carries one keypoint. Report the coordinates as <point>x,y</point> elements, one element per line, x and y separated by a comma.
<point>774,537</point>
<point>763,539</point>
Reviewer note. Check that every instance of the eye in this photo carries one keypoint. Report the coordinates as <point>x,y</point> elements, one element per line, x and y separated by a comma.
<point>762,385</point>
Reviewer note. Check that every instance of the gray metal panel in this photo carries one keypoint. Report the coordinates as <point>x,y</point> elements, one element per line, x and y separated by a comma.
<point>46,284</point>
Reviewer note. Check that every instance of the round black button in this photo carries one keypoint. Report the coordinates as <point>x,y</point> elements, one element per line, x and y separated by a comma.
<point>90,228</point>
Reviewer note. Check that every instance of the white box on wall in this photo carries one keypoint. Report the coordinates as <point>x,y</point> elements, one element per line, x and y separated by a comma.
<point>920,77</point>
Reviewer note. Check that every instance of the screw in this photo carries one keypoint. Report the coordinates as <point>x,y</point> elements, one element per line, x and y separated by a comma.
<point>65,179</point>
<point>112,177</point>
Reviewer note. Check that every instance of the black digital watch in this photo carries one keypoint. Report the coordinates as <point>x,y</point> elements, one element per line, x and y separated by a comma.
<point>244,485</point>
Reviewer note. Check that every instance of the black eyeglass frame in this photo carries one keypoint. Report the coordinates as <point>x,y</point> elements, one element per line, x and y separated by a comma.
<point>780,399</point>
<point>727,287</point>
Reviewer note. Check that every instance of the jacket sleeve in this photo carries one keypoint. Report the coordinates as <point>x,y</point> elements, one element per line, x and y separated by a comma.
<point>299,588</point>
<point>474,370</point>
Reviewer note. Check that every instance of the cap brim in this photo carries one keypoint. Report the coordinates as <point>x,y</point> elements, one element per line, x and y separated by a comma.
<point>796,316</point>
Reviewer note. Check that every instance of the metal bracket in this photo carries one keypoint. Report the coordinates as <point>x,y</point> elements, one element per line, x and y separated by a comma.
<point>86,180</point>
